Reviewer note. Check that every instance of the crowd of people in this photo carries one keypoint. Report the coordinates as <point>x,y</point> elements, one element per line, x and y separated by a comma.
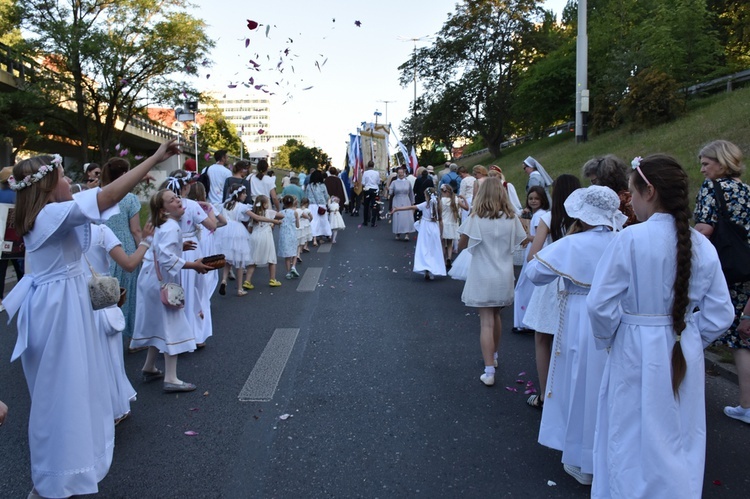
<point>622,295</point>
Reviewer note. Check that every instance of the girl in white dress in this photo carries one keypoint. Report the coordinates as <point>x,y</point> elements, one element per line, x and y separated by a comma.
<point>428,255</point>
<point>490,233</point>
<point>197,294</point>
<point>658,298</point>
<point>575,372</point>
<point>110,321</point>
<point>542,312</point>
<point>334,217</point>
<point>161,328</point>
<point>537,205</point>
<point>264,250</point>
<point>449,210</point>
<point>305,219</point>
<point>234,239</point>
<point>71,423</point>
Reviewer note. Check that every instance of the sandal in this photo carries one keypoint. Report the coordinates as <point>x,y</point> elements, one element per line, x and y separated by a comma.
<point>223,288</point>
<point>241,292</point>
<point>535,401</point>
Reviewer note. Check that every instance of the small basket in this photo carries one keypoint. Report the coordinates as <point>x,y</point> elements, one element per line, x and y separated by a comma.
<point>216,262</point>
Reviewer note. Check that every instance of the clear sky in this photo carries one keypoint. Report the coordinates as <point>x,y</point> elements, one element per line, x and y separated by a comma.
<point>350,68</point>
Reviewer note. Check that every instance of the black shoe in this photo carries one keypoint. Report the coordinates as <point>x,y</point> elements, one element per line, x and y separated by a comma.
<point>522,330</point>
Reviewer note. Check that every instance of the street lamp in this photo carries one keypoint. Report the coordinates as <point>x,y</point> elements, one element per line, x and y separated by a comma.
<point>414,56</point>
<point>386,102</point>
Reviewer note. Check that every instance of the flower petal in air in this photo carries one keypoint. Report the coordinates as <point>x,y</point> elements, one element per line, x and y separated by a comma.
<point>251,25</point>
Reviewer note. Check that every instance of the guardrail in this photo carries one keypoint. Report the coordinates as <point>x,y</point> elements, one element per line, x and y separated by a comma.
<point>554,130</point>
<point>725,81</point>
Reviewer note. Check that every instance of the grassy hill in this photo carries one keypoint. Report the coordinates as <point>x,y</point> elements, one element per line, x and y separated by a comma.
<point>723,116</point>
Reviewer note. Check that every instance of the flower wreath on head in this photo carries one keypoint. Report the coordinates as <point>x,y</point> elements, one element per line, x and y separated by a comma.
<point>28,180</point>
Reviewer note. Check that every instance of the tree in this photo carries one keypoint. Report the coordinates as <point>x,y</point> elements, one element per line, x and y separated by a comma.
<point>217,133</point>
<point>282,156</point>
<point>304,158</point>
<point>732,21</point>
<point>482,46</point>
<point>10,20</point>
<point>112,52</point>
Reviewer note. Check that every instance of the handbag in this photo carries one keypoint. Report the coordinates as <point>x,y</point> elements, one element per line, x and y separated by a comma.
<point>103,290</point>
<point>321,210</point>
<point>172,295</point>
<point>730,241</point>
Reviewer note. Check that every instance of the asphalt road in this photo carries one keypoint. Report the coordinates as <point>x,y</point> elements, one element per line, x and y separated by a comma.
<point>366,386</point>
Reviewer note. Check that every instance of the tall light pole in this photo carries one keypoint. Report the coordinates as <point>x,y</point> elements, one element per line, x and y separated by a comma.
<point>386,102</point>
<point>582,91</point>
<point>414,56</point>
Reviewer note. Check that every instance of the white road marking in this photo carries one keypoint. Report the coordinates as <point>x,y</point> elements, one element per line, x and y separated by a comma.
<point>325,248</point>
<point>310,278</point>
<point>264,378</point>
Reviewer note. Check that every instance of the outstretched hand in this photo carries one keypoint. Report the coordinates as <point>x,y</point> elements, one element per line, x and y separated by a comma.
<point>166,150</point>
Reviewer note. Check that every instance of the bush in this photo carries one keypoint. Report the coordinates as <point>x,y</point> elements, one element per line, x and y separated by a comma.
<point>653,98</point>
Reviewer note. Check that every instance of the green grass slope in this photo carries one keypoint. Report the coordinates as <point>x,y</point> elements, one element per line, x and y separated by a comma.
<point>725,116</point>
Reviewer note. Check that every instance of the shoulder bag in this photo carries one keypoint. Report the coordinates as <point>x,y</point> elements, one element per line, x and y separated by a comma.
<point>103,290</point>
<point>172,295</point>
<point>730,241</point>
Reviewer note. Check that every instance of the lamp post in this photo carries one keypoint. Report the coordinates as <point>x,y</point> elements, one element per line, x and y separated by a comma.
<point>582,92</point>
<point>386,102</point>
<point>414,56</point>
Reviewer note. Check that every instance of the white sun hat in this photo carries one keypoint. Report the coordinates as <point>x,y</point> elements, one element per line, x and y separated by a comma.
<point>596,205</point>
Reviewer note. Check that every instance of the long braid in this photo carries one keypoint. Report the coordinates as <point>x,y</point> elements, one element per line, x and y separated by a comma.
<point>671,184</point>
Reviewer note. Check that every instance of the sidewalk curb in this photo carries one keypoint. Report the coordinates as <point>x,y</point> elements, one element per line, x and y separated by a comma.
<point>723,369</point>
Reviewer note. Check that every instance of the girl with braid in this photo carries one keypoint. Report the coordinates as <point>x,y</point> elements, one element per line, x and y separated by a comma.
<point>651,423</point>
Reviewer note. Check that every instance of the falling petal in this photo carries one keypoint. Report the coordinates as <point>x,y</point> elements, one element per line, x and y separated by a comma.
<point>138,157</point>
<point>522,373</point>
<point>258,87</point>
<point>511,389</point>
<point>717,482</point>
<point>193,409</point>
<point>284,417</point>
<point>286,51</point>
<point>324,62</point>
<point>334,20</point>
<point>529,391</point>
<point>205,62</point>
<point>124,81</point>
<point>251,80</point>
<point>207,156</point>
<point>317,65</point>
<point>307,88</point>
<point>268,28</point>
<point>261,131</point>
<point>191,433</point>
<point>520,381</point>
<point>247,42</point>
<point>208,76</point>
<point>232,85</point>
<point>358,24</point>
<point>117,147</point>
<point>124,152</point>
<point>551,483</point>
<point>205,394</point>
<point>251,25</point>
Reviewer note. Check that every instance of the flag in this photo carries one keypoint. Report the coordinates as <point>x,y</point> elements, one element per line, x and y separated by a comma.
<point>404,152</point>
<point>356,162</point>
<point>413,162</point>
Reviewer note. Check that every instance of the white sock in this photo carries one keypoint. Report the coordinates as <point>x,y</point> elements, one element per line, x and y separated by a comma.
<point>489,370</point>
<point>495,355</point>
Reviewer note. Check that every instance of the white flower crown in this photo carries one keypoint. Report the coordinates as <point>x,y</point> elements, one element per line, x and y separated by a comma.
<point>28,180</point>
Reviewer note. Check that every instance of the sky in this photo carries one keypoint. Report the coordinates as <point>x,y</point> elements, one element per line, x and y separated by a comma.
<point>341,71</point>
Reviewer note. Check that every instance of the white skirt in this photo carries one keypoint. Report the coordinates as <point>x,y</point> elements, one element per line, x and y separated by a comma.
<point>460,268</point>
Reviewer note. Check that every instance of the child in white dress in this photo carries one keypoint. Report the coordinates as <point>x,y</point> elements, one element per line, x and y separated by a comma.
<point>110,321</point>
<point>305,219</point>
<point>428,255</point>
<point>264,250</point>
<point>288,247</point>
<point>450,207</point>
<point>161,328</point>
<point>658,298</point>
<point>575,373</point>
<point>234,239</point>
<point>71,423</point>
<point>537,205</point>
<point>490,233</point>
<point>334,217</point>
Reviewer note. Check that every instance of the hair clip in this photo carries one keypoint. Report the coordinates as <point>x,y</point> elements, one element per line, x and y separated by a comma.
<point>636,165</point>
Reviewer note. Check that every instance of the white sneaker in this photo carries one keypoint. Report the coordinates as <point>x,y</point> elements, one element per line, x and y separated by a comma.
<point>495,363</point>
<point>738,412</point>
<point>487,379</point>
<point>581,477</point>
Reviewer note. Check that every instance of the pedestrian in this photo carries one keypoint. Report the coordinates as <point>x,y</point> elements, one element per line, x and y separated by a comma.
<point>262,184</point>
<point>164,329</point>
<point>334,217</point>
<point>658,298</point>
<point>575,372</point>
<point>305,218</point>
<point>401,195</point>
<point>15,255</point>
<point>240,172</point>
<point>288,237</point>
<point>428,255</point>
<point>71,423</point>
<point>537,205</point>
<point>370,188</point>
<point>294,189</point>
<point>537,176</point>
<point>317,193</point>
<point>110,321</point>
<point>264,251</point>
<point>449,209</point>
<point>542,313</point>
<point>490,234</point>
<point>233,240</point>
